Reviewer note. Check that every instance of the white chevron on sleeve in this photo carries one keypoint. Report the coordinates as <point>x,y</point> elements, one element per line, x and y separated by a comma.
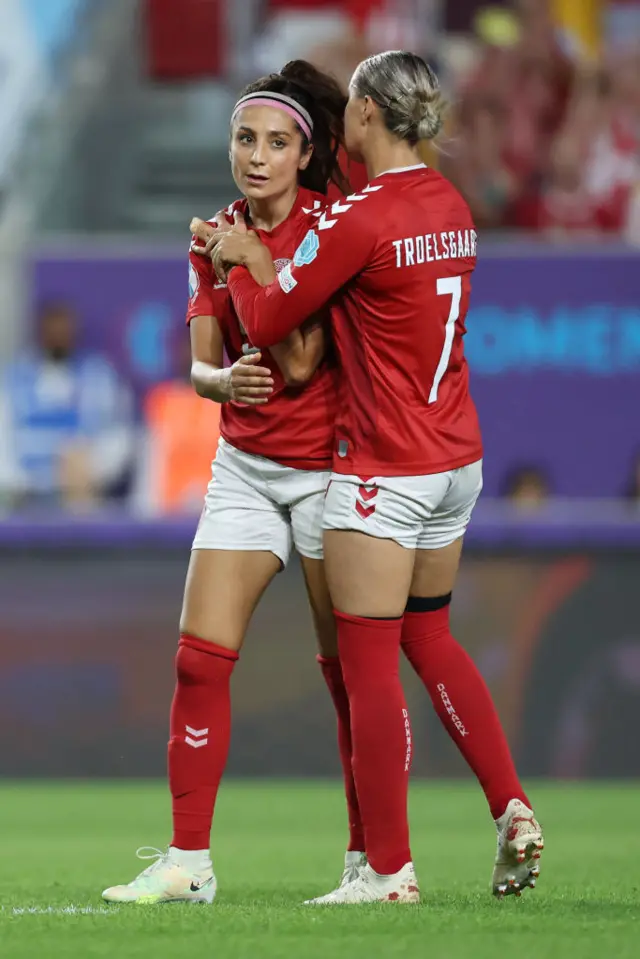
<point>324,224</point>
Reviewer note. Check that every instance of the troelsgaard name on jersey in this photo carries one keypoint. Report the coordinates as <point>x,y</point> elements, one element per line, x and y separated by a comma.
<point>451,245</point>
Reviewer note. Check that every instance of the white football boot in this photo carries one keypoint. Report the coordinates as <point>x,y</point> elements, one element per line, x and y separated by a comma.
<point>368,886</point>
<point>354,863</point>
<point>520,844</point>
<point>175,876</point>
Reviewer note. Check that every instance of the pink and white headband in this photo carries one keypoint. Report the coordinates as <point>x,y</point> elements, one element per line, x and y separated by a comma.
<point>264,98</point>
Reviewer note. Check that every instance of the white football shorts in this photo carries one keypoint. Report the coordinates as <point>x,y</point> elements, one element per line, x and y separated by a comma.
<point>418,512</point>
<point>254,503</point>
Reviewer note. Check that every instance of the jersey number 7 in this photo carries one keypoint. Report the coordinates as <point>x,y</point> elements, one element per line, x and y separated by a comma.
<point>447,286</point>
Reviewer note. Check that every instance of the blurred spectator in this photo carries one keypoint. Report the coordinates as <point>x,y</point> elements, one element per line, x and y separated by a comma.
<point>180,440</point>
<point>294,27</point>
<point>594,161</point>
<point>483,175</point>
<point>527,488</point>
<point>516,96</point>
<point>543,137</point>
<point>67,430</point>
<point>565,207</point>
<point>337,34</point>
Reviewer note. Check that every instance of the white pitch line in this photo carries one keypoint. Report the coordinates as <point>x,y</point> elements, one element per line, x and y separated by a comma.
<point>58,911</point>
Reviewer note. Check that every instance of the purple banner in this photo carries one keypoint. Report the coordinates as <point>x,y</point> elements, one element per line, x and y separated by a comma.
<point>558,525</point>
<point>87,643</point>
<point>553,344</point>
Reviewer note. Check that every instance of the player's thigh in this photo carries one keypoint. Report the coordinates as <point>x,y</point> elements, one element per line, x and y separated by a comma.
<point>435,570</point>
<point>303,492</point>
<point>243,539</point>
<point>315,579</point>
<point>240,512</point>
<point>371,530</point>
<point>367,576</point>
<point>368,548</point>
<point>222,590</point>
<point>440,541</point>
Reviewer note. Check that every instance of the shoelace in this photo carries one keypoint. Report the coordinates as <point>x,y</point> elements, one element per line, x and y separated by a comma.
<point>362,885</point>
<point>157,855</point>
<point>349,875</point>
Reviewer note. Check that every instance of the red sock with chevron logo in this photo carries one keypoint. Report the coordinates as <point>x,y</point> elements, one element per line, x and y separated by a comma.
<point>200,731</point>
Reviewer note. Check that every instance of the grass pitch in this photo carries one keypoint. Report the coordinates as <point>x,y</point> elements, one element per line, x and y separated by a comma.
<point>276,844</point>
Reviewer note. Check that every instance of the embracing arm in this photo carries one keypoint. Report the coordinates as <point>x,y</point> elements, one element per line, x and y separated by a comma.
<point>299,354</point>
<point>332,253</point>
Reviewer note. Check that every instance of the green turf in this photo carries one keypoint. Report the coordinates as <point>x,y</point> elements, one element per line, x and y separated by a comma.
<point>277,844</point>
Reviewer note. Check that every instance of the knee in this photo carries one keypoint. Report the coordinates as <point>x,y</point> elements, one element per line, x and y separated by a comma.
<point>197,660</point>
<point>221,633</point>
<point>425,621</point>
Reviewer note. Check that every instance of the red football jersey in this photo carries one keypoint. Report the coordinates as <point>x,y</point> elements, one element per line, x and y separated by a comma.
<point>399,254</point>
<point>296,426</point>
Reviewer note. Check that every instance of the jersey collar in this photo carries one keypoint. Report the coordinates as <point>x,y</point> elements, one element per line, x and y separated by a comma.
<point>403,169</point>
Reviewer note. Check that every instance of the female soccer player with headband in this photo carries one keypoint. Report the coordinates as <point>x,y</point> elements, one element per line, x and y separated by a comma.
<point>272,466</point>
<point>394,263</point>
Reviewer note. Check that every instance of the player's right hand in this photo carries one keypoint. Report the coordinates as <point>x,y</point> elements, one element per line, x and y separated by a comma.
<point>248,382</point>
<point>207,231</point>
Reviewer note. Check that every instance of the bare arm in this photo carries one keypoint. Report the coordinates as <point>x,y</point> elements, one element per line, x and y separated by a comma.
<point>208,376</point>
<point>300,355</point>
<point>245,381</point>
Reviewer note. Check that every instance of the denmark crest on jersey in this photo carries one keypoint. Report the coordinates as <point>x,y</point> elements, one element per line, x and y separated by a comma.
<point>281,263</point>
<point>308,249</point>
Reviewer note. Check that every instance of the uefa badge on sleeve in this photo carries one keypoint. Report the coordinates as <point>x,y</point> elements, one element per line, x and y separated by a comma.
<point>308,250</point>
<point>286,279</point>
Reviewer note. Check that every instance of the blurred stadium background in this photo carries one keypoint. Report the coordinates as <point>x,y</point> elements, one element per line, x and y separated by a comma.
<point>113,134</point>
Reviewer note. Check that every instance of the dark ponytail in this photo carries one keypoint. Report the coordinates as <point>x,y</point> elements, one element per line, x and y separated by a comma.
<point>323,99</point>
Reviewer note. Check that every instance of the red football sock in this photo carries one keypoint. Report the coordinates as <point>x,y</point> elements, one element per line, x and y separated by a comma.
<point>380,733</point>
<point>332,672</point>
<point>200,734</point>
<point>463,702</point>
